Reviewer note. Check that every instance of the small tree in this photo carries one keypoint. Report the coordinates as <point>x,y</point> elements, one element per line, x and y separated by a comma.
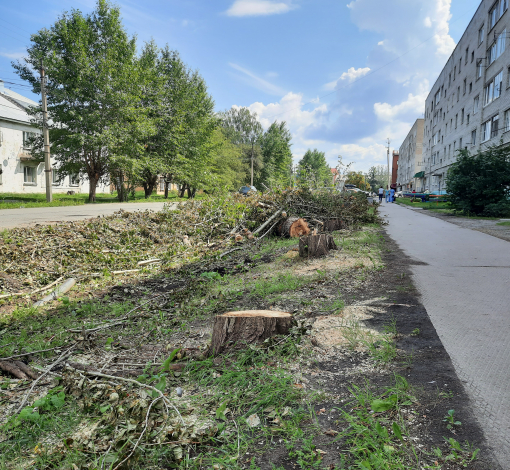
<point>358,179</point>
<point>480,184</point>
<point>313,165</point>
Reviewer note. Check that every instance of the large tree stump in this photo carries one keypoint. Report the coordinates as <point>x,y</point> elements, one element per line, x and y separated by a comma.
<point>293,227</point>
<point>313,246</point>
<point>233,330</point>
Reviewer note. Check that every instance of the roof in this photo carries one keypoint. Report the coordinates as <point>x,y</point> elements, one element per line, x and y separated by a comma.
<point>20,99</point>
<point>12,111</point>
<point>334,171</point>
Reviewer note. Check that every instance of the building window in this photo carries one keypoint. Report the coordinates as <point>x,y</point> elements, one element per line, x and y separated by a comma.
<point>473,137</point>
<point>74,179</point>
<point>460,143</point>
<point>490,128</point>
<point>437,97</point>
<point>497,48</point>
<point>470,87</point>
<point>449,150</point>
<point>454,72</point>
<point>29,174</point>
<point>480,35</point>
<point>476,104</point>
<point>467,55</point>
<point>449,80</point>
<point>462,116</point>
<point>458,93</point>
<point>479,68</point>
<point>507,121</point>
<point>54,177</point>
<point>27,137</point>
<point>472,56</point>
<point>467,119</point>
<point>492,91</point>
<point>496,12</point>
<point>456,120</point>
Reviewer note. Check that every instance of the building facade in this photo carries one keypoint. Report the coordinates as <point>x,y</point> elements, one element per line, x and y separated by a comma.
<point>394,168</point>
<point>410,164</point>
<point>469,104</point>
<point>20,172</point>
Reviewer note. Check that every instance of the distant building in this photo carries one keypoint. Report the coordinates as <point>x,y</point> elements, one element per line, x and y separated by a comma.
<point>410,165</point>
<point>20,172</point>
<point>469,104</point>
<point>394,169</point>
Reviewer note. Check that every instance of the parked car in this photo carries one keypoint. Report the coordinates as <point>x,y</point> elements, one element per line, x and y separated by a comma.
<point>246,189</point>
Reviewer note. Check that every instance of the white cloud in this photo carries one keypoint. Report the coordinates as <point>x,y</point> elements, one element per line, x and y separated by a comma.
<point>414,104</point>
<point>350,76</point>
<point>258,8</point>
<point>13,55</point>
<point>257,82</point>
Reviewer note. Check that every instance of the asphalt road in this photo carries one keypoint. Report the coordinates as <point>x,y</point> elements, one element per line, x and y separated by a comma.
<point>10,218</point>
<point>465,287</point>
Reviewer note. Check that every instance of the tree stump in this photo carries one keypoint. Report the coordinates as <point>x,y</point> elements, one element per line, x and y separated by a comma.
<point>314,246</point>
<point>293,227</point>
<point>233,330</point>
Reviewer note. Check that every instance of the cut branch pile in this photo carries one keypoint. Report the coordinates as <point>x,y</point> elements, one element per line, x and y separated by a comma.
<point>127,243</point>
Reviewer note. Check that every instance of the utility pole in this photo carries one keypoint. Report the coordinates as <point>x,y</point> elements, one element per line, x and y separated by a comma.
<point>388,155</point>
<point>252,144</point>
<point>46,135</point>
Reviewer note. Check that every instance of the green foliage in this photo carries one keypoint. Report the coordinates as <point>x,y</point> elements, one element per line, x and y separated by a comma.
<point>358,179</point>
<point>276,155</point>
<point>376,177</point>
<point>450,420</point>
<point>314,170</point>
<point>480,184</point>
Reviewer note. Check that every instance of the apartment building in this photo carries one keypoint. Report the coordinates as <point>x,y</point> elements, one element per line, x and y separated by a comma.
<point>410,164</point>
<point>469,104</point>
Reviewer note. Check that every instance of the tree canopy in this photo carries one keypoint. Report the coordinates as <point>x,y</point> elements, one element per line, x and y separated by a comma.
<point>358,179</point>
<point>314,167</point>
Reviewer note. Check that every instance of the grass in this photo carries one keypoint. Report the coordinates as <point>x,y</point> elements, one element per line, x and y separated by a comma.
<point>505,224</point>
<point>19,200</point>
<point>424,205</point>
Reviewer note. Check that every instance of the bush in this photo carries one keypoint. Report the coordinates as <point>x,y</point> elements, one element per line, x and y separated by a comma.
<point>479,184</point>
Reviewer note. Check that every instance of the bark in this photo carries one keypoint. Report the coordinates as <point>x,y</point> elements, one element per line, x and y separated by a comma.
<point>233,330</point>
<point>314,246</point>
<point>183,190</point>
<point>93,180</point>
<point>333,224</point>
<point>26,370</point>
<point>167,185</point>
<point>13,369</point>
<point>293,227</point>
<point>149,184</point>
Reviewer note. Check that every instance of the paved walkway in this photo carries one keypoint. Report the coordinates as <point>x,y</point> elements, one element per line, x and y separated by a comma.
<point>10,218</point>
<point>465,288</point>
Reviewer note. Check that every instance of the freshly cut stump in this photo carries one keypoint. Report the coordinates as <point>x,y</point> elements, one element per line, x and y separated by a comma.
<point>233,330</point>
<point>293,227</point>
<point>314,246</point>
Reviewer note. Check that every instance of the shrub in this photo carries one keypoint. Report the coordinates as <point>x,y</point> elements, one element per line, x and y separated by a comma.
<point>480,184</point>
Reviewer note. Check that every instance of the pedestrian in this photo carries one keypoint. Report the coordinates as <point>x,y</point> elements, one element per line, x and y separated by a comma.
<point>387,193</point>
<point>392,195</point>
<point>381,194</point>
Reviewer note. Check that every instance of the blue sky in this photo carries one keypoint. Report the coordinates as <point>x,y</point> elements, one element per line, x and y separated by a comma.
<point>344,75</point>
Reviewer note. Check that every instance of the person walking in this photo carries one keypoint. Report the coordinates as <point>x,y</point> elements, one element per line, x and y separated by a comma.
<point>392,195</point>
<point>381,194</point>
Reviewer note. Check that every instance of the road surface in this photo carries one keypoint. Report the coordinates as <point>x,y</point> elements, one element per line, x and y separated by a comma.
<point>10,218</point>
<point>465,287</point>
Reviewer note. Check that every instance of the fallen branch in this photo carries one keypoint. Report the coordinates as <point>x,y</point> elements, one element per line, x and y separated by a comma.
<point>62,357</point>
<point>229,251</point>
<point>29,353</point>
<point>149,261</point>
<point>46,287</point>
<point>62,289</point>
<point>127,271</point>
<point>268,221</point>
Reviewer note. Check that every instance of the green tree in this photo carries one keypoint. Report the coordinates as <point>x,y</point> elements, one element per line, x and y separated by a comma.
<point>376,177</point>
<point>93,91</point>
<point>480,184</point>
<point>276,155</point>
<point>227,165</point>
<point>314,165</point>
<point>358,179</point>
<point>242,128</point>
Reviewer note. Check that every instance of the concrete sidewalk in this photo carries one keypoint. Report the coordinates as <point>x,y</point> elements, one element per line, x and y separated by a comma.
<point>465,287</point>
<point>10,218</point>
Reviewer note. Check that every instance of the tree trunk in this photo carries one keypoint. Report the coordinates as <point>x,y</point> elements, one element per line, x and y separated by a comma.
<point>18,369</point>
<point>293,227</point>
<point>149,184</point>
<point>183,190</point>
<point>167,184</point>
<point>233,330</point>
<point>333,224</point>
<point>313,246</point>
<point>92,187</point>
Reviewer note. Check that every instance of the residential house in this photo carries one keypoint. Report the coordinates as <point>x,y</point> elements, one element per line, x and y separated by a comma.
<point>410,163</point>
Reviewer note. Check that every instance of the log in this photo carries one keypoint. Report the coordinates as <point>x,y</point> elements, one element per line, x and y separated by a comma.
<point>333,224</point>
<point>314,246</point>
<point>233,330</point>
<point>13,369</point>
<point>293,227</point>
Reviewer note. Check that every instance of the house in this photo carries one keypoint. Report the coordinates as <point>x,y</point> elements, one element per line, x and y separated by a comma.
<point>394,169</point>
<point>20,171</point>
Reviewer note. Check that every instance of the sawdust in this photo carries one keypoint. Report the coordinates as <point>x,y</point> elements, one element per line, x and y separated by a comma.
<point>336,261</point>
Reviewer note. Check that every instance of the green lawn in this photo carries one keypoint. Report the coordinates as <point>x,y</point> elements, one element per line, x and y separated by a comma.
<point>17,200</point>
<point>425,205</point>
<point>504,223</point>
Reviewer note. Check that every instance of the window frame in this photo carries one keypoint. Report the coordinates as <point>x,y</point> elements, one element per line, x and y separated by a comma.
<point>33,171</point>
<point>74,180</point>
<point>481,34</point>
